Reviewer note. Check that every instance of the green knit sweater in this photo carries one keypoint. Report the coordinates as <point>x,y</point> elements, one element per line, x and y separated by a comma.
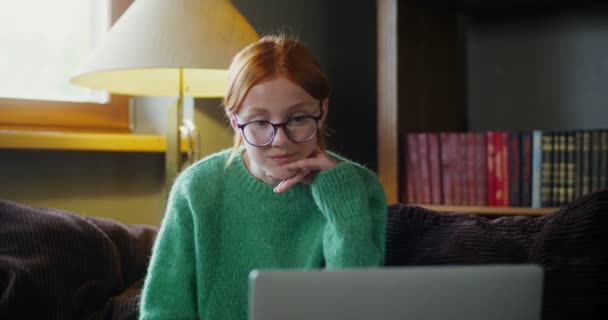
<point>221,223</point>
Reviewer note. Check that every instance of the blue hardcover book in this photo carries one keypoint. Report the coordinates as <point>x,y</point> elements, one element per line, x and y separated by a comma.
<point>525,161</point>
<point>515,168</point>
<point>537,160</point>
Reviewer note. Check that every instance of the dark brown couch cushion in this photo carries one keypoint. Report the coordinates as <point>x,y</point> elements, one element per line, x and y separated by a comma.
<point>58,265</point>
<point>571,245</point>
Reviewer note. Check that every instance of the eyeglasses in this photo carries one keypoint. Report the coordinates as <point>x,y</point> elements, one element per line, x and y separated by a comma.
<point>298,129</point>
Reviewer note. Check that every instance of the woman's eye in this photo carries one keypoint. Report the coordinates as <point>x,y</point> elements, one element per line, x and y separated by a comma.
<point>260,123</point>
<point>297,119</point>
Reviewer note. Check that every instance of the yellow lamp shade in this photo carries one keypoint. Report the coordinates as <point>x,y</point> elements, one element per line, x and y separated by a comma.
<point>143,53</point>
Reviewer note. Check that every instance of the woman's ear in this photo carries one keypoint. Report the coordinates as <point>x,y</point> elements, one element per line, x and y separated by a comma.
<point>325,108</point>
<point>233,123</point>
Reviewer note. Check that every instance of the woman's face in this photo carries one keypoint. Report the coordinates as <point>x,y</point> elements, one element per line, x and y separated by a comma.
<point>277,101</point>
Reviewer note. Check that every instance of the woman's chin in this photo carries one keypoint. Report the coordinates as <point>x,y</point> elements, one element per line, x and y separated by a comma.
<point>279,174</point>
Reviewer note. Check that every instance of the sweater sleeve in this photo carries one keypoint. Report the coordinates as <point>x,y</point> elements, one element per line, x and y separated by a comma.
<point>170,289</point>
<point>353,201</point>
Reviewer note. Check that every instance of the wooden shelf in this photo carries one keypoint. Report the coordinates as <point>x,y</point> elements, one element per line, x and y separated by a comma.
<point>485,210</point>
<point>76,141</point>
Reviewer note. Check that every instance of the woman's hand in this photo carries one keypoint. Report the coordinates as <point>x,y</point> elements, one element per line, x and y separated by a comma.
<point>305,170</point>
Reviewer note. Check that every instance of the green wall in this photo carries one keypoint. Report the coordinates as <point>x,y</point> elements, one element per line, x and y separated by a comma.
<point>124,186</point>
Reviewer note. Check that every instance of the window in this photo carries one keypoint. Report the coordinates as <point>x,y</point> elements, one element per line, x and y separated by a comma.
<point>43,48</point>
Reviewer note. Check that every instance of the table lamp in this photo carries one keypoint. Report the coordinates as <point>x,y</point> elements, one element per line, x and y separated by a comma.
<point>169,48</point>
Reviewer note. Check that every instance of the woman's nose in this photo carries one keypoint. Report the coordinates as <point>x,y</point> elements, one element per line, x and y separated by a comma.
<point>280,137</point>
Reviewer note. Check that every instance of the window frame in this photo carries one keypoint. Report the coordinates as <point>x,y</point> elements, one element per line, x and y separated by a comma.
<point>39,115</point>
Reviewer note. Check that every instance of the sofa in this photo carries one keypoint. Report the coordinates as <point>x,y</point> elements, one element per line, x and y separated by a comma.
<point>59,265</point>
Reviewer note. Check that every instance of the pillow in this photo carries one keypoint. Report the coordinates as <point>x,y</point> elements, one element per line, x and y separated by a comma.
<point>571,244</point>
<point>55,264</point>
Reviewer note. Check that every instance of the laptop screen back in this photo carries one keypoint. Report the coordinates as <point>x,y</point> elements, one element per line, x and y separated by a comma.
<point>497,292</point>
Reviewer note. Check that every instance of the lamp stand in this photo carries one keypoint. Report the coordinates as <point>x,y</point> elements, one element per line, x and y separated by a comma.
<point>173,156</point>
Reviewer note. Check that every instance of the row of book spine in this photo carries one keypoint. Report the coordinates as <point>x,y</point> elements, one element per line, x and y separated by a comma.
<point>499,168</point>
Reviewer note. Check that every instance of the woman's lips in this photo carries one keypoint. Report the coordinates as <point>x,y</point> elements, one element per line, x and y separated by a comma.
<point>282,159</point>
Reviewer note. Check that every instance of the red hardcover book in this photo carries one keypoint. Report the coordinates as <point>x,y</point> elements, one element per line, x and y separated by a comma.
<point>498,179</point>
<point>505,168</point>
<point>480,169</point>
<point>454,167</point>
<point>460,149</point>
<point>446,167</point>
<point>471,179</point>
<point>460,152</point>
<point>413,183</point>
<point>491,168</point>
<point>425,176</point>
<point>501,166</point>
<point>435,168</point>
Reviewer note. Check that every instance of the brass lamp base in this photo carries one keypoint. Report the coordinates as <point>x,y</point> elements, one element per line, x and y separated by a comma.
<point>173,157</point>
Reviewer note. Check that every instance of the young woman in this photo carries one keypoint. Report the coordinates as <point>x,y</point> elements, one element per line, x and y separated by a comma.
<point>276,200</point>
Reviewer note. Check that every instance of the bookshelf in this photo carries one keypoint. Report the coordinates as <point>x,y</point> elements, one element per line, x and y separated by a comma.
<point>423,84</point>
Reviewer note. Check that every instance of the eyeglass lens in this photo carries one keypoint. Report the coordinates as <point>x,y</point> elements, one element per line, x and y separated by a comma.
<point>298,129</point>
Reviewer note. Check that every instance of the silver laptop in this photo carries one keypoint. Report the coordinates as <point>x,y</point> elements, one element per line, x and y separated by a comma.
<point>488,292</point>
